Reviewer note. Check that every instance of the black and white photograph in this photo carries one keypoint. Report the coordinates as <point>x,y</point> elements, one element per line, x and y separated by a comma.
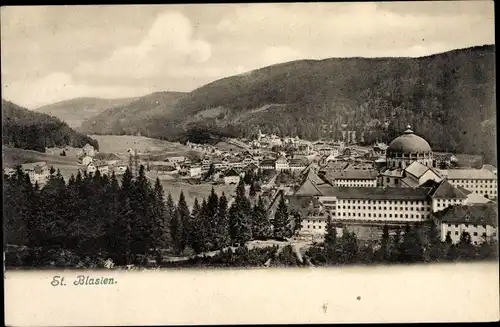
<point>252,138</point>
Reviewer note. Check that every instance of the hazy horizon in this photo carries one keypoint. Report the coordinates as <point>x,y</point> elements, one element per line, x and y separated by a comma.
<point>52,54</point>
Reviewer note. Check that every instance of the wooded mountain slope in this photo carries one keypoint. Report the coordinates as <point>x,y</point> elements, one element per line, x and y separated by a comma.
<point>136,116</point>
<point>76,111</point>
<point>26,129</point>
<point>448,98</point>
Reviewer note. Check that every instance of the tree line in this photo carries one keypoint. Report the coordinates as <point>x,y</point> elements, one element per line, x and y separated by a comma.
<point>412,244</point>
<point>94,215</point>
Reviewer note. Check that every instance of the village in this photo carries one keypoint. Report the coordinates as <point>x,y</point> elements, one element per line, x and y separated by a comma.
<point>316,176</point>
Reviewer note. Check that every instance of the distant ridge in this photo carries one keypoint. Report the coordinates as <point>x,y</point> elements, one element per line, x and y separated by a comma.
<point>448,97</point>
<point>77,110</point>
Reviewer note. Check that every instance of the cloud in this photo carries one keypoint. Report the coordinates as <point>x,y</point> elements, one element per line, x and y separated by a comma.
<point>168,45</point>
<point>61,86</point>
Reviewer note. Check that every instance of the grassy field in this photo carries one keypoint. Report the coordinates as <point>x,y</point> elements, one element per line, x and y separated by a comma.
<point>15,156</point>
<point>121,143</point>
<point>195,191</point>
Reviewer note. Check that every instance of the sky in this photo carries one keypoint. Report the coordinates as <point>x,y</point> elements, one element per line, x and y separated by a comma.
<point>54,53</point>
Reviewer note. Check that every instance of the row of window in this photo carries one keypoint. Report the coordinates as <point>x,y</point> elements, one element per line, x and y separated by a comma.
<point>473,181</point>
<point>390,208</point>
<point>383,202</point>
<point>467,226</point>
<point>385,215</point>
<point>475,234</point>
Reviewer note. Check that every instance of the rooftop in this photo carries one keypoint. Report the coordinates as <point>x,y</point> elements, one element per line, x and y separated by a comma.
<point>468,174</point>
<point>408,143</point>
<point>477,214</point>
<point>376,193</point>
<point>447,191</point>
<point>353,174</point>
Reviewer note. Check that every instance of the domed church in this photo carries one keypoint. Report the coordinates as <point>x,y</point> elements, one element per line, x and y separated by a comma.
<point>409,162</point>
<point>407,148</point>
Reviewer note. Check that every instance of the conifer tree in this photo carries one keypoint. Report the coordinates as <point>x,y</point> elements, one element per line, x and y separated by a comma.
<point>281,222</point>
<point>349,247</point>
<point>331,234</point>
<point>177,227</point>
<point>261,226</point>
<point>210,220</point>
<point>223,238</point>
<point>240,228</point>
<point>253,190</point>
<point>160,232</point>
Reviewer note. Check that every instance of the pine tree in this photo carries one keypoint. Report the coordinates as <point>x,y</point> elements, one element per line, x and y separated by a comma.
<point>142,222</point>
<point>261,226</point>
<point>160,230</point>
<point>240,228</point>
<point>349,247</point>
<point>331,234</point>
<point>193,225</point>
<point>448,239</point>
<point>210,220</point>
<point>384,246</point>
<point>222,231</point>
<point>281,222</point>
<point>253,190</point>
<point>178,222</point>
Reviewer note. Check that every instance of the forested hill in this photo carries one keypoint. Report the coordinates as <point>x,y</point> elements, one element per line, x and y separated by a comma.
<point>75,111</point>
<point>448,98</point>
<point>26,129</point>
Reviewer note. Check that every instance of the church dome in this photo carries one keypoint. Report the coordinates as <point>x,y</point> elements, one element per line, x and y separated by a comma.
<point>409,143</point>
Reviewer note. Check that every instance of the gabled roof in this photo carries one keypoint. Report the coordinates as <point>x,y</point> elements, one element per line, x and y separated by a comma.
<point>106,156</point>
<point>267,162</point>
<point>231,173</point>
<point>474,198</point>
<point>481,214</point>
<point>354,174</point>
<point>416,169</point>
<point>313,177</point>
<point>447,191</point>
<point>308,188</point>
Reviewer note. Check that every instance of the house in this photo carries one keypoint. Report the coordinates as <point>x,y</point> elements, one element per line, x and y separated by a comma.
<point>352,178</point>
<point>445,195</point>
<point>296,164</point>
<point>281,164</point>
<point>109,158</point>
<point>38,172</point>
<point>480,221</point>
<point>177,159</point>
<point>195,171</point>
<point>86,160</point>
<point>267,164</point>
<point>89,150</point>
<point>480,181</point>
<point>231,177</point>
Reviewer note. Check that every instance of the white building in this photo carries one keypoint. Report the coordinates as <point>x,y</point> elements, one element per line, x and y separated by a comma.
<point>86,160</point>
<point>89,150</point>
<point>38,172</point>
<point>281,164</point>
<point>353,178</point>
<point>195,171</point>
<point>480,181</point>
<point>480,221</point>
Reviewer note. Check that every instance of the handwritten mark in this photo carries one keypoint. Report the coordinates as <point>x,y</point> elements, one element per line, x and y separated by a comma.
<point>325,307</point>
<point>358,298</point>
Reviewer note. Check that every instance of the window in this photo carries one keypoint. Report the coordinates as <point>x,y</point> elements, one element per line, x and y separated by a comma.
<point>475,226</point>
<point>456,233</point>
<point>466,225</point>
<point>475,233</point>
<point>449,225</point>
<point>484,234</point>
<point>456,225</point>
<point>308,226</point>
